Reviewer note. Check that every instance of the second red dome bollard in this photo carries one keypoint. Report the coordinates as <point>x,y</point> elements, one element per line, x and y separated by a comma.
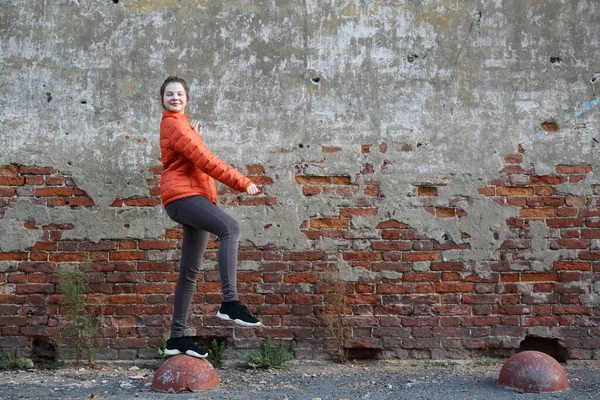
<point>183,372</point>
<point>533,372</point>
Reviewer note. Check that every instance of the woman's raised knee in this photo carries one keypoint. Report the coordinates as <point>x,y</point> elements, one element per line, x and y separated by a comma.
<point>232,230</point>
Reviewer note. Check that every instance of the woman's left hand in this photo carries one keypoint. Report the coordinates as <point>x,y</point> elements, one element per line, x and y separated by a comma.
<point>253,189</point>
<point>196,125</point>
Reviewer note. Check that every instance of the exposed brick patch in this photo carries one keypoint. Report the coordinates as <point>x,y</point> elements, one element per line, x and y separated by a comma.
<point>446,212</point>
<point>41,186</point>
<point>326,223</point>
<point>363,212</point>
<point>330,149</point>
<point>311,190</point>
<point>441,212</point>
<point>513,159</point>
<point>322,180</point>
<point>567,217</point>
<point>427,191</point>
<point>427,194</point>
<point>256,173</point>
<point>573,169</point>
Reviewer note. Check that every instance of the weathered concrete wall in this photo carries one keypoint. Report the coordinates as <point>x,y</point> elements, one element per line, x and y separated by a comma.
<point>350,113</point>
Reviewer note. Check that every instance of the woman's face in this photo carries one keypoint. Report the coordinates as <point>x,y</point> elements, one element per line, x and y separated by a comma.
<point>175,98</point>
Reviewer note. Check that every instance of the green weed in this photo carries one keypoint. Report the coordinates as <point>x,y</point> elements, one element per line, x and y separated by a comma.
<point>271,356</point>
<point>444,363</point>
<point>83,325</point>
<point>215,353</point>
<point>14,361</point>
<point>161,349</point>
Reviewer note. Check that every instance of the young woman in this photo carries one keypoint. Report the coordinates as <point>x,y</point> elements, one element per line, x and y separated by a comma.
<point>189,196</point>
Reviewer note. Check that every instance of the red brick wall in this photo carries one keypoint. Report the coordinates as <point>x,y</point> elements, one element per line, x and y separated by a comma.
<point>411,302</point>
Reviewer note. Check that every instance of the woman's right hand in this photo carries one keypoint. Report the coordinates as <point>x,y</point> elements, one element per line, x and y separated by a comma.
<point>253,189</point>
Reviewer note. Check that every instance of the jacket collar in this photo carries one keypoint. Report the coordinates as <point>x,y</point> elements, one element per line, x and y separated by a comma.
<point>167,113</point>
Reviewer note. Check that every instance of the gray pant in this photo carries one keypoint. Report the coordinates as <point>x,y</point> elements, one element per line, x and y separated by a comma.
<point>200,217</point>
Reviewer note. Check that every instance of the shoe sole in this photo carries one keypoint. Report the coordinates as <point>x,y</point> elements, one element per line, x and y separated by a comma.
<point>191,353</point>
<point>225,317</point>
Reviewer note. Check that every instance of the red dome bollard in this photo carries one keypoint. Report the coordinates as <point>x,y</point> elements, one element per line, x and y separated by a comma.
<point>185,373</point>
<point>533,372</point>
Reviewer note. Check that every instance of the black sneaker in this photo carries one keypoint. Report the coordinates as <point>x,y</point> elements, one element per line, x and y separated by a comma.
<point>183,345</point>
<point>237,312</point>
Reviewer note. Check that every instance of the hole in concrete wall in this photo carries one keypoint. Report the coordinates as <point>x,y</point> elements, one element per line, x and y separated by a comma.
<point>361,353</point>
<point>69,163</point>
<point>549,126</point>
<point>411,58</point>
<point>555,60</point>
<point>316,80</point>
<point>83,102</point>
<point>555,348</point>
<point>43,350</point>
<point>300,145</point>
<point>48,97</point>
<point>116,1</point>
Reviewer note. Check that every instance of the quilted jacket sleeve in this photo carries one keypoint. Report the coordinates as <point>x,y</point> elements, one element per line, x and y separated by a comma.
<point>187,142</point>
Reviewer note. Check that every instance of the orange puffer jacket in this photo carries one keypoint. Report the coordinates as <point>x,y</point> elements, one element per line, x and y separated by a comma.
<point>188,165</point>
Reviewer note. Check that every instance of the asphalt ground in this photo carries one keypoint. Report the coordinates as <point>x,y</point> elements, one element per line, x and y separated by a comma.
<point>380,380</point>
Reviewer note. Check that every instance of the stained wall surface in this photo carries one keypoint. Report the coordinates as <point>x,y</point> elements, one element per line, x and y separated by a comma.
<point>437,157</point>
